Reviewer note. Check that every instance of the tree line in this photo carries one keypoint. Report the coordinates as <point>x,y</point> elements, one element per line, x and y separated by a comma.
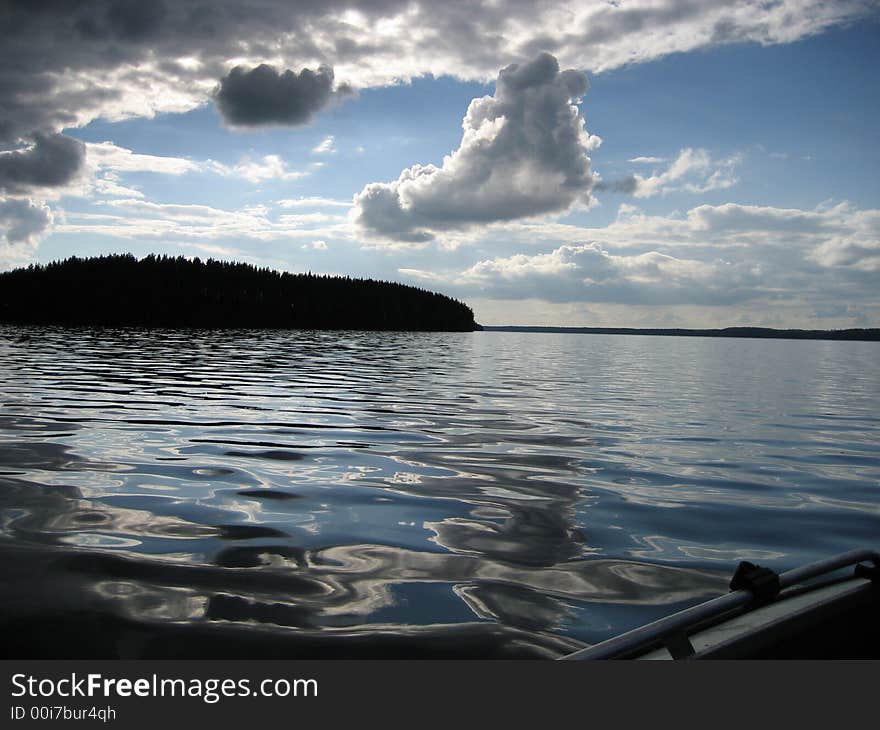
<point>165,291</point>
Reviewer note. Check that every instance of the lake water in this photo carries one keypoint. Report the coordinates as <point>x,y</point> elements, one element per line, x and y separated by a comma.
<point>403,494</point>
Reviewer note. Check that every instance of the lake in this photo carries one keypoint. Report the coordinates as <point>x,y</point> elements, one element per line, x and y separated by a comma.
<point>486,494</point>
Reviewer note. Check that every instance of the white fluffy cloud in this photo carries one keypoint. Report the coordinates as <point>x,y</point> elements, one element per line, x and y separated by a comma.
<point>523,153</point>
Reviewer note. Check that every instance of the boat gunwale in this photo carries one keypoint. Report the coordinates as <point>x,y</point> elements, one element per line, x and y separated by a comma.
<point>672,631</point>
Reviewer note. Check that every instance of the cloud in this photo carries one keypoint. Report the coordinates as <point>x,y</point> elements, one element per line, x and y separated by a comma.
<point>692,171</point>
<point>64,64</point>
<point>262,96</point>
<point>589,273</point>
<point>802,260</point>
<point>732,218</point>
<point>108,186</point>
<point>49,161</point>
<point>268,167</point>
<point>108,156</point>
<point>839,310</point>
<point>832,236</point>
<point>125,20</point>
<point>325,147</point>
<point>23,223</point>
<point>302,219</point>
<point>24,220</point>
<point>855,245</point>
<point>313,202</point>
<point>315,246</point>
<point>625,185</point>
<point>523,153</point>
<point>647,160</point>
<point>137,218</point>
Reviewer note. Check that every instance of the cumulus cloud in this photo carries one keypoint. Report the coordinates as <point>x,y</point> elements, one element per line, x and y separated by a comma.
<point>49,161</point>
<point>263,96</point>
<point>523,153</point>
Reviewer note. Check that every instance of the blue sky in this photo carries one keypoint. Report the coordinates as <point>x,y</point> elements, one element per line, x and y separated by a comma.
<point>721,169</point>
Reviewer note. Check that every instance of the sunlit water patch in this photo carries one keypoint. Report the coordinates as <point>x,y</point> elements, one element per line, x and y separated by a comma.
<point>385,494</point>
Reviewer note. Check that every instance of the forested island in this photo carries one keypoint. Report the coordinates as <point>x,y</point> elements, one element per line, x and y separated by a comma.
<point>163,291</point>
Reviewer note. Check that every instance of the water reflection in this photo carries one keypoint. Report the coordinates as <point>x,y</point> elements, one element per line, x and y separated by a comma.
<point>329,494</point>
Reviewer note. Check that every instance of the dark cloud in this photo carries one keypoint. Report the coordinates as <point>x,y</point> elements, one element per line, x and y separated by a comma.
<point>23,221</point>
<point>626,185</point>
<point>264,96</point>
<point>75,56</point>
<point>126,20</point>
<point>65,62</point>
<point>50,161</point>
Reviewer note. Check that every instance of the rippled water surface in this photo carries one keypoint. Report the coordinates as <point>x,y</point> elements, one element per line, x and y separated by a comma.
<point>373,494</point>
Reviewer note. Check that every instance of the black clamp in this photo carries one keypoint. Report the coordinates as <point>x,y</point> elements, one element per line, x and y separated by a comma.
<point>762,582</point>
<point>872,574</point>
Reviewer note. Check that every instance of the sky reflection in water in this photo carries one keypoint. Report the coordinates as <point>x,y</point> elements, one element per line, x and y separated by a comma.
<point>364,494</point>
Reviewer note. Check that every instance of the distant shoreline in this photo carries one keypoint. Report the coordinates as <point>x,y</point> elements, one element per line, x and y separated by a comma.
<point>868,335</point>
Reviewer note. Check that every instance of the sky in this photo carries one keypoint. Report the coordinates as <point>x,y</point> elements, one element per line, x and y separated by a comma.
<point>641,163</point>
